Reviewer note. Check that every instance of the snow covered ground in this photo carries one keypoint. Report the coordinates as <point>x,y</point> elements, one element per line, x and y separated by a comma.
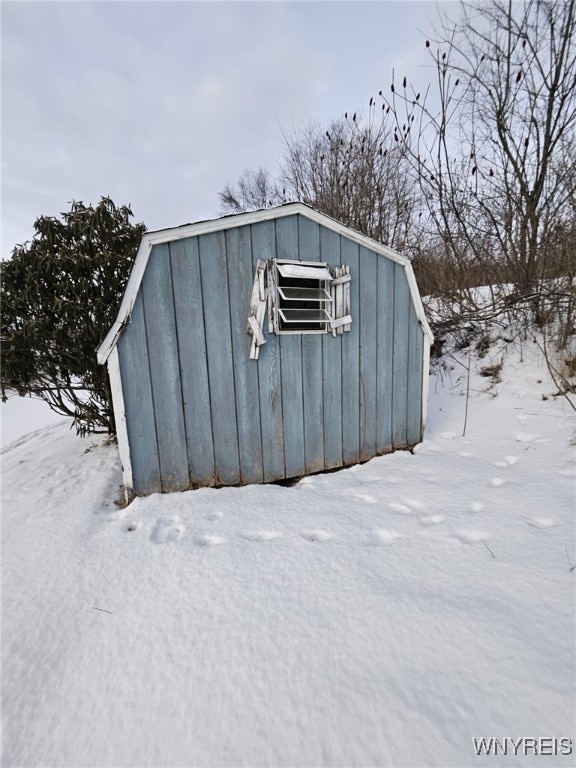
<point>384,615</point>
<point>22,415</point>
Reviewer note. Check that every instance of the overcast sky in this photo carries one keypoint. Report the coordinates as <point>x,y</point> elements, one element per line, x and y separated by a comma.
<point>160,104</point>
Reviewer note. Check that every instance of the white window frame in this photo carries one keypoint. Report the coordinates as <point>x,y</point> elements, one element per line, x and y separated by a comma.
<point>278,302</point>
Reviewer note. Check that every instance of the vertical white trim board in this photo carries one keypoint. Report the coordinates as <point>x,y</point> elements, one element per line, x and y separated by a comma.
<point>120,419</point>
<point>425,381</point>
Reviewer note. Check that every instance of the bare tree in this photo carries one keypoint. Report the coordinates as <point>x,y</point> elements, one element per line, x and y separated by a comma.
<point>351,171</point>
<point>492,144</point>
<point>348,169</point>
<point>254,190</point>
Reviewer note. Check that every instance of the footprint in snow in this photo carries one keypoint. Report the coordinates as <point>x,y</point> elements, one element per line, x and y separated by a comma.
<point>382,536</point>
<point>316,535</point>
<point>131,527</point>
<point>397,507</point>
<point>414,504</point>
<point>470,537</point>
<point>432,520</point>
<point>208,540</point>
<point>366,497</point>
<point>166,529</point>
<point>529,437</point>
<point>262,535</point>
<point>406,506</point>
<point>507,461</point>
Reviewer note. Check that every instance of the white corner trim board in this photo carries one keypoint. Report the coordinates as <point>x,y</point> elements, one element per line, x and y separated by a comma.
<point>120,419</point>
<point>428,339</point>
<point>425,380</point>
<point>149,239</point>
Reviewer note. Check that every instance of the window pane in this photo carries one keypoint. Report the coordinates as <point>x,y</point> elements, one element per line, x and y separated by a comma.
<point>291,293</point>
<point>304,315</point>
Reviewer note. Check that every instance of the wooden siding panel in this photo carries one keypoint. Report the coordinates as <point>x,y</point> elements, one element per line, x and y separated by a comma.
<point>350,255</point>
<point>137,388</point>
<point>292,405</point>
<point>165,370</point>
<point>312,402</point>
<point>368,332</point>
<point>415,373</point>
<point>193,364</point>
<point>213,271</point>
<point>268,369</point>
<point>291,365</point>
<point>240,282</point>
<point>384,354</point>
<point>332,365</point>
<point>309,244</point>
<point>402,303</point>
<point>287,238</point>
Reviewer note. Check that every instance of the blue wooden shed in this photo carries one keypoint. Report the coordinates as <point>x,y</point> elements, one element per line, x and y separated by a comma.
<point>264,346</point>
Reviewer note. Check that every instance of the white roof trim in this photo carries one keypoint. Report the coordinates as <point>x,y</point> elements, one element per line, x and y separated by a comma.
<point>418,306</point>
<point>149,239</point>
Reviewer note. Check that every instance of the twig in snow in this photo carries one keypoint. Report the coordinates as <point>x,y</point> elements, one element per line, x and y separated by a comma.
<point>572,567</point>
<point>102,609</point>
<point>534,522</point>
<point>488,548</point>
<point>459,361</point>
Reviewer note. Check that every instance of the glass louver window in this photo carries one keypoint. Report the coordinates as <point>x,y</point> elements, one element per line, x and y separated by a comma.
<point>304,302</point>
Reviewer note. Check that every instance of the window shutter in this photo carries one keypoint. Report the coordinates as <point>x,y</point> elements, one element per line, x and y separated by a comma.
<point>340,291</point>
<point>272,308</point>
<point>257,310</point>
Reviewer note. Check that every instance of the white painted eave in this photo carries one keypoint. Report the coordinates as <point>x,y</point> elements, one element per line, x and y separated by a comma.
<point>150,239</point>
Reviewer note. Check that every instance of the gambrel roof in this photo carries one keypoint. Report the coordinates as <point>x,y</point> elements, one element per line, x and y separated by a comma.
<point>150,239</point>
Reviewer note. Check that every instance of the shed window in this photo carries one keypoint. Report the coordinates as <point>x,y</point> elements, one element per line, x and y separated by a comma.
<point>303,300</point>
<point>301,297</point>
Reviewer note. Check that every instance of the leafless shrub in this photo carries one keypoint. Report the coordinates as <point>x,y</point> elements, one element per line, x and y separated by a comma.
<point>492,143</point>
<point>492,372</point>
<point>253,191</point>
<point>347,169</point>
